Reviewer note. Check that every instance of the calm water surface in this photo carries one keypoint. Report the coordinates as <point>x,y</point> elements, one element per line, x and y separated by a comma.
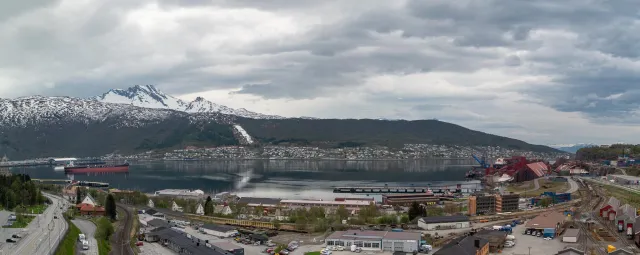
<point>292,179</point>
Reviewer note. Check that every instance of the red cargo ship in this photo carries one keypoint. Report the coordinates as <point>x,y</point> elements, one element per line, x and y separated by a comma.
<point>123,168</point>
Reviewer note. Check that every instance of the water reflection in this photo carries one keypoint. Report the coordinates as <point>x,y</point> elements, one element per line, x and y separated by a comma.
<point>275,178</point>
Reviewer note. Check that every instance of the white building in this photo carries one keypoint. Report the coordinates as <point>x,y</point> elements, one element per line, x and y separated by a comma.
<point>150,204</point>
<point>376,240</point>
<point>89,200</point>
<point>180,193</point>
<point>571,235</point>
<point>222,209</point>
<point>328,205</point>
<point>218,230</point>
<point>200,209</point>
<point>175,207</point>
<point>444,222</point>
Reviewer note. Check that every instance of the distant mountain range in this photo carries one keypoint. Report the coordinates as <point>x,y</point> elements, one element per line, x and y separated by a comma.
<point>149,96</point>
<point>572,148</point>
<point>143,118</point>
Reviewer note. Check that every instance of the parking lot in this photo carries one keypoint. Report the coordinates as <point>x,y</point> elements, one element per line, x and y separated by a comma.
<point>537,244</point>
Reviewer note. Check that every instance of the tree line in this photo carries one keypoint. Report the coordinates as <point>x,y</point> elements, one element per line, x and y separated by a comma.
<point>19,190</point>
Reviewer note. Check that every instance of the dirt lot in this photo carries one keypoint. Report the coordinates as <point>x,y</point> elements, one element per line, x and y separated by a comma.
<point>303,239</point>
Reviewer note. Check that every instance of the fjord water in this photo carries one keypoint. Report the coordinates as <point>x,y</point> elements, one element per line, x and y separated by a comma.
<point>292,179</point>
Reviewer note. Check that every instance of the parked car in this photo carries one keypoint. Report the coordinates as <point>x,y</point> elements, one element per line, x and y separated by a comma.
<point>139,243</point>
<point>284,251</point>
<point>16,236</point>
<point>9,240</point>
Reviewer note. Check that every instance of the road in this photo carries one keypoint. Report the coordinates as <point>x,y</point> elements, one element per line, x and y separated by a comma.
<point>634,189</point>
<point>573,186</point>
<point>44,231</point>
<point>120,242</point>
<point>89,230</point>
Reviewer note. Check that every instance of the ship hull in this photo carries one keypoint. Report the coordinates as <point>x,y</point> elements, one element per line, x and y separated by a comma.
<point>97,169</point>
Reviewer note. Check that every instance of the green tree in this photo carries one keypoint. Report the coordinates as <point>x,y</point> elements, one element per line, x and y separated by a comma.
<point>342,212</point>
<point>104,228</point>
<point>404,219</point>
<point>276,224</point>
<point>78,195</point>
<point>110,207</point>
<point>317,212</point>
<point>208,206</point>
<point>415,210</point>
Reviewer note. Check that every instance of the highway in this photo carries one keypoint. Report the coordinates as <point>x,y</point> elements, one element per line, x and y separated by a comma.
<point>43,231</point>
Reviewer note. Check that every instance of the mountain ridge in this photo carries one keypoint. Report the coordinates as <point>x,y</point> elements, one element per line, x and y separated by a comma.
<point>148,96</point>
<point>38,126</point>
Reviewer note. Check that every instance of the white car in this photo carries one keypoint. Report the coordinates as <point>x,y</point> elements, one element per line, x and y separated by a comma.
<point>326,252</point>
<point>547,238</point>
<point>340,248</point>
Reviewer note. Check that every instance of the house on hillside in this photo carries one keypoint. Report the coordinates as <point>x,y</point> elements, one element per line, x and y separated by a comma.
<point>199,209</point>
<point>222,209</point>
<point>89,200</point>
<point>150,204</point>
<point>176,208</point>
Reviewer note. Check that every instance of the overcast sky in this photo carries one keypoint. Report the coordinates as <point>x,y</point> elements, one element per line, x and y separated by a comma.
<point>544,71</point>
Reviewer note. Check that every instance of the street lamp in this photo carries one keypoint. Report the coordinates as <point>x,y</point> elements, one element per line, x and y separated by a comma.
<point>529,250</point>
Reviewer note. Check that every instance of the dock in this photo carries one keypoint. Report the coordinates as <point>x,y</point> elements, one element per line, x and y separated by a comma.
<point>78,183</point>
<point>405,189</point>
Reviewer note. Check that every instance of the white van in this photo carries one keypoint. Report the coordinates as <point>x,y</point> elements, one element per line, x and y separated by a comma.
<point>81,237</point>
<point>85,245</point>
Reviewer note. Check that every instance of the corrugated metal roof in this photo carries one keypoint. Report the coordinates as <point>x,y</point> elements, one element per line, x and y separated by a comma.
<point>538,168</point>
<point>445,219</point>
<point>614,203</point>
<point>572,232</point>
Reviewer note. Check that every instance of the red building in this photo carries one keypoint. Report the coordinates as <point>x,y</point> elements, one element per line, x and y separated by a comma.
<point>608,211</point>
<point>89,209</point>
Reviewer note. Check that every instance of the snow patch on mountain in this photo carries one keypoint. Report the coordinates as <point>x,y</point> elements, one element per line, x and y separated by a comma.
<point>149,96</point>
<point>36,110</point>
<point>246,137</point>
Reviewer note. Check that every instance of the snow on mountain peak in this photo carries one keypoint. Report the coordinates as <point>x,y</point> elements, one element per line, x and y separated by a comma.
<point>148,96</point>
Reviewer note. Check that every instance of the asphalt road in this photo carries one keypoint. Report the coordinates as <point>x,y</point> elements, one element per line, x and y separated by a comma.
<point>89,230</point>
<point>43,231</point>
<point>573,185</point>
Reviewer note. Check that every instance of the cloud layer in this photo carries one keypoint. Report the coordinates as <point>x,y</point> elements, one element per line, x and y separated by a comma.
<point>543,71</point>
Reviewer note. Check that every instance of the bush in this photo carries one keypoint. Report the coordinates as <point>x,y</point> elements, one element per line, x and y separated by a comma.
<point>68,244</point>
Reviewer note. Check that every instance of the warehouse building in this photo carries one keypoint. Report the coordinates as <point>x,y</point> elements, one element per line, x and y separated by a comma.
<point>624,179</point>
<point>181,244</point>
<point>259,201</point>
<point>571,235</point>
<point>444,222</point>
<point>625,219</point>
<point>218,230</point>
<point>408,199</point>
<point>608,211</point>
<point>376,240</point>
<point>465,245</point>
<point>547,222</point>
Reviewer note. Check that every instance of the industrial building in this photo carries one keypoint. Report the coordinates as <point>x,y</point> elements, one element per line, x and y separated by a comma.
<point>532,171</point>
<point>609,210</point>
<point>571,235</point>
<point>490,204</point>
<point>408,199</point>
<point>496,239</point>
<point>482,204</point>
<point>218,230</point>
<point>180,193</point>
<point>444,222</point>
<point>376,240</point>
<point>181,244</point>
<point>351,205</point>
<point>259,201</point>
<point>624,179</point>
<point>547,222</point>
<point>507,202</point>
<point>465,245</point>
<point>625,219</point>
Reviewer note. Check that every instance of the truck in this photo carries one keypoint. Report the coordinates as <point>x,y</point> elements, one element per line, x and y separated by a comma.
<point>85,245</point>
<point>506,228</point>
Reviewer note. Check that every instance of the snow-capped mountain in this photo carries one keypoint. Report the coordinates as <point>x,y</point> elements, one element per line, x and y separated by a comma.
<point>571,148</point>
<point>40,110</point>
<point>149,96</point>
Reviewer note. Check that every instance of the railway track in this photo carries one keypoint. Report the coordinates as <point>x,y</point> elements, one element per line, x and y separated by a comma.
<point>120,242</point>
<point>588,203</point>
<point>611,229</point>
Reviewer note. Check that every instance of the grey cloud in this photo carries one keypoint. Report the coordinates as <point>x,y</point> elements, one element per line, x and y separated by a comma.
<point>453,36</point>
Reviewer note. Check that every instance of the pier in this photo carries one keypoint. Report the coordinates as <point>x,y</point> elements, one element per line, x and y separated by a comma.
<point>407,189</point>
<point>78,183</point>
